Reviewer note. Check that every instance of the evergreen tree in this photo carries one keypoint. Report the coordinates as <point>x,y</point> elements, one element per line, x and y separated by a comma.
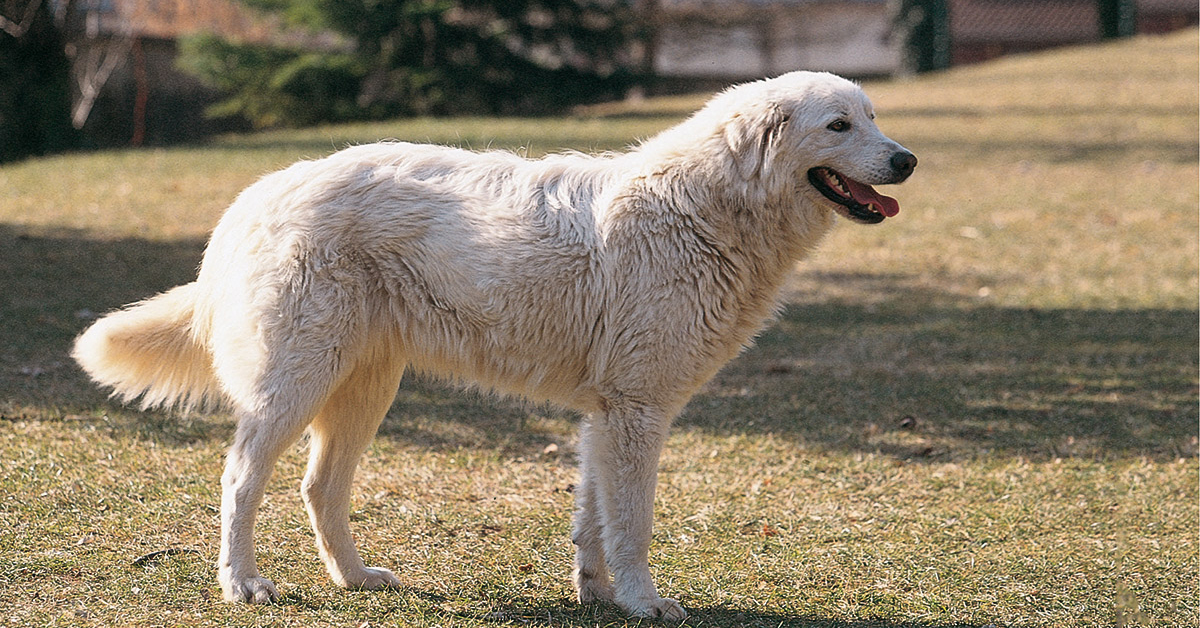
<point>410,57</point>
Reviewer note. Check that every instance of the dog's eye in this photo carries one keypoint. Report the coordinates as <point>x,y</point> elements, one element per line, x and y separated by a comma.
<point>839,126</point>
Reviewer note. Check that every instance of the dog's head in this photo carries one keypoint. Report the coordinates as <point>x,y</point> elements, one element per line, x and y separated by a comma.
<point>819,129</point>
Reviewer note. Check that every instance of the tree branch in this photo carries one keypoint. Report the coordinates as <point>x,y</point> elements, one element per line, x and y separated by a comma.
<point>18,29</point>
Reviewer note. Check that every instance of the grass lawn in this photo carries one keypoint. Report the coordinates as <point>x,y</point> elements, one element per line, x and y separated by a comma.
<point>983,412</point>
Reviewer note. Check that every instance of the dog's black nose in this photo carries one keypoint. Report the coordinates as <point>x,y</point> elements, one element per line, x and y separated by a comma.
<point>903,162</point>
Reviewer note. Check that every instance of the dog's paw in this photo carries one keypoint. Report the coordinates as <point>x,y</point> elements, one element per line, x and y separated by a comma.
<point>255,590</point>
<point>370,579</point>
<point>593,589</point>
<point>664,609</point>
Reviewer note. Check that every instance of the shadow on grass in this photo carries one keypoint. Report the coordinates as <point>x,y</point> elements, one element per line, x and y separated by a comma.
<point>920,375</point>
<point>566,612</point>
<point>51,287</point>
<point>900,369</point>
<point>571,614</point>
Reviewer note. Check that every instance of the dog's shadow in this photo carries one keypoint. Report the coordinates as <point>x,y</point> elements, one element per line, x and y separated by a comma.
<point>571,614</point>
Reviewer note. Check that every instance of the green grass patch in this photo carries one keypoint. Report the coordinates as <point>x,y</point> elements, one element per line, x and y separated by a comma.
<point>982,412</point>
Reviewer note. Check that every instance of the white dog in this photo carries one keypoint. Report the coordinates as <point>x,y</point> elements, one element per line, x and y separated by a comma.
<point>614,285</point>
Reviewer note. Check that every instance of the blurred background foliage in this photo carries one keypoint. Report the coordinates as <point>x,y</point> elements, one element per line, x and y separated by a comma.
<point>87,74</point>
<point>414,57</point>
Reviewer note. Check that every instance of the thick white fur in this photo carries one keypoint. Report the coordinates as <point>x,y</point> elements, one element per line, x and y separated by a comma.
<point>615,285</point>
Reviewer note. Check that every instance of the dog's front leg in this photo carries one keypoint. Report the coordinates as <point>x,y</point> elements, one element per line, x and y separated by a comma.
<point>626,444</point>
<point>592,581</point>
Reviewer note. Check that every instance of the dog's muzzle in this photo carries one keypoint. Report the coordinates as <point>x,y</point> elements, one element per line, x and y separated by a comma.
<point>859,201</point>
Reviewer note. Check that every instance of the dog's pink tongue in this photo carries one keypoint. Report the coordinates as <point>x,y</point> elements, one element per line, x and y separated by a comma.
<point>866,195</point>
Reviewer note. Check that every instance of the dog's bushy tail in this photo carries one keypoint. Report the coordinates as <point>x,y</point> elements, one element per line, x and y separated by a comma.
<point>151,350</point>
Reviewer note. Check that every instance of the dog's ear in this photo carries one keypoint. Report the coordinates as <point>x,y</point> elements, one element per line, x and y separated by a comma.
<point>750,137</point>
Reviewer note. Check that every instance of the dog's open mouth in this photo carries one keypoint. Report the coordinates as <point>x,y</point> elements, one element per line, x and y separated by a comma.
<point>861,201</point>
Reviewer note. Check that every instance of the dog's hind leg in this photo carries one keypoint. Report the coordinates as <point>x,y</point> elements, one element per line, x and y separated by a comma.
<point>282,386</point>
<point>592,582</point>
<point>258,442</point>
<point>339,434</point>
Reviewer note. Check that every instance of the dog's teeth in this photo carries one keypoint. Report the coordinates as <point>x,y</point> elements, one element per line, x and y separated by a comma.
<point>836,183</point>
